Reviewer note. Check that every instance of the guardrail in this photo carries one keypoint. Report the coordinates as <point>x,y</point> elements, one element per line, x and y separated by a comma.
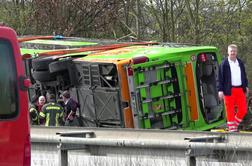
<point>188,149</point>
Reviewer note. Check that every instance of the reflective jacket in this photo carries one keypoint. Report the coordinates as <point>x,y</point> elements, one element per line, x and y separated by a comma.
<point>53,114</point>
<point>34,115</point>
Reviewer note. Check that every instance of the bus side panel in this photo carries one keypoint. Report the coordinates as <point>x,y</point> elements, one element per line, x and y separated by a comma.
<point>127,112</point>
<point>191,92</point>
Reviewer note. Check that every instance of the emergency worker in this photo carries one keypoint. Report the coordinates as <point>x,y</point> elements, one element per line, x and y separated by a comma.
<point>232,87</point>
<point>52,112</point>
<point>33,111</point>
<point>34,116</point>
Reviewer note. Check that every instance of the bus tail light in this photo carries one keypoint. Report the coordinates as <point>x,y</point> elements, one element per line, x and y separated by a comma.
<point>203,57</point>
<point>27,151</point>
<point>140,59</point>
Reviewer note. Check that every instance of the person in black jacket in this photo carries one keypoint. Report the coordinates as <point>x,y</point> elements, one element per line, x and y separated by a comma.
<point>232,87</point>
<point>70,109</point>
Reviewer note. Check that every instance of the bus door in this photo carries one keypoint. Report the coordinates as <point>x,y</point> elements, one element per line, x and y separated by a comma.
<point>14,122</point>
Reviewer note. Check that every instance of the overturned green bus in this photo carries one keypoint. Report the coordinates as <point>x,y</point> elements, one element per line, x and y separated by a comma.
<point>148,86</point>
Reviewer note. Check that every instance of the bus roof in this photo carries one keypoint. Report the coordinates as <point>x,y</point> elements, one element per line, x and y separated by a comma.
<point>136,51</point>
<point>61,42</point>
<point>33,52</point>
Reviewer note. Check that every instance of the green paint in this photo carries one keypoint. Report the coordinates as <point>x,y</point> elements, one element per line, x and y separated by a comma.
<point>61,42</point>
<point>165,116</point>
<point>161,104</point>
<point>34,52</point>
<point>152,52</point>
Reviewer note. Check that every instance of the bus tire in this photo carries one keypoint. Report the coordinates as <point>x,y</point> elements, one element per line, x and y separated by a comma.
<point>40,64</point>
<point>60,65</point>
<point>43,76</point>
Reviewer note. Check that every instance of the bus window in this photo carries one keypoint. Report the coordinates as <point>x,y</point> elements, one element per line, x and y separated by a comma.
<point>8,82</point>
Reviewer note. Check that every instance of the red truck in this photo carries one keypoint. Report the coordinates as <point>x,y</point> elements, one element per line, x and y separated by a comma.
<point>15,146</point>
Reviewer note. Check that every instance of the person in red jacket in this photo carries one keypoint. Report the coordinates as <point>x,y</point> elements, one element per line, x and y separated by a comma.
<point>41,102</point>
<point>232,87</point>
<point>35,108</point>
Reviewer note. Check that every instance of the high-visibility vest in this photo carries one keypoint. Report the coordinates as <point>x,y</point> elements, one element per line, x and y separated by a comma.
<point>53,114</point>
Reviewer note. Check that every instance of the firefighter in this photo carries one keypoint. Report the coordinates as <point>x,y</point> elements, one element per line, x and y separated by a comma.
<point>34,118</point>
<point>33,111</point>
<point>52,112</point>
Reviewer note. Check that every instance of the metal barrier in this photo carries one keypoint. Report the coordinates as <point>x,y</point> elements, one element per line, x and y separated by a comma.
<point>189,150</point>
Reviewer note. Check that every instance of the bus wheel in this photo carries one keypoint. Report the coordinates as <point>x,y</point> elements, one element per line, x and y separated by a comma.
<point>42,63</point>
<point>43,76</point>
<point>60,65</point>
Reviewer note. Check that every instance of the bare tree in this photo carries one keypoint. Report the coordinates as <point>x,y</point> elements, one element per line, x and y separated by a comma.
<point>73,17</point>
<point>166,14</point>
